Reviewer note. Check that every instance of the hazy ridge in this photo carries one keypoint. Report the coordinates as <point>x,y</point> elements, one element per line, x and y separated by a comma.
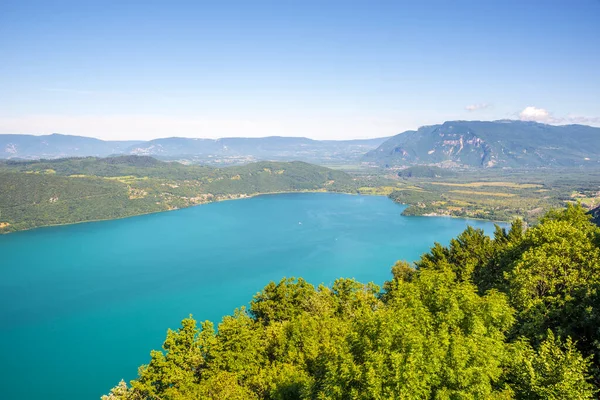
<point>491,144</point>
<point>211,151</point>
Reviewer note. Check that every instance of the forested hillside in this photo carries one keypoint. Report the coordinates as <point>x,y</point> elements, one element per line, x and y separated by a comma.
<point>40,193</point>
<point>48,192</point>
<point>515,316</point>
<point>424,171</point>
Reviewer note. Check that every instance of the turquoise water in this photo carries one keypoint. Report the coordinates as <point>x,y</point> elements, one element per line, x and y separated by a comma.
<point>81,306</point>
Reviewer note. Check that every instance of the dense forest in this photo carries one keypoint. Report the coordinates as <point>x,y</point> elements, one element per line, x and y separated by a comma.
<point>513,316</point>
<point>425,171</point>
<point>63,191</point>
<point>51,192</point>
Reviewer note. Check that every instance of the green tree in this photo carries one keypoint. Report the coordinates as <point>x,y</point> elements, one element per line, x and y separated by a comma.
<point>480,318</point>
<point>171,375</point>
<point>555,371</point>
<point>282,301</point>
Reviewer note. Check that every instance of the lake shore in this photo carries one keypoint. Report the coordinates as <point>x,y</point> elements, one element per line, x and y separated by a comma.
<point>217,200</point>
<point>243,196</point>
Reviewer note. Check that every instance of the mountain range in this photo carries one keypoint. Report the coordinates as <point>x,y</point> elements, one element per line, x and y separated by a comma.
<point>57,146</point>
<point>210,151</point>
<point>478,144</point>
<point>488,144</point>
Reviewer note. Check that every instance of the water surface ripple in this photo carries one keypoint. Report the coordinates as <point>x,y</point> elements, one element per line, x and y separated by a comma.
<point>81,306</point>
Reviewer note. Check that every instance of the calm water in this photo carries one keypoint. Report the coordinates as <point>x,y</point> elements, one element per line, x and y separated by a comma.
<point>81,306</point>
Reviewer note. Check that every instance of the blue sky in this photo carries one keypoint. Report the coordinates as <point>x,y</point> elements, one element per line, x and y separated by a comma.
<point>321,69</point>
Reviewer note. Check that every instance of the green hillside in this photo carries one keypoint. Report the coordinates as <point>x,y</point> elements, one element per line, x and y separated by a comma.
<point>425,171</point>
<point>40,193</point>
<point>514,316</point>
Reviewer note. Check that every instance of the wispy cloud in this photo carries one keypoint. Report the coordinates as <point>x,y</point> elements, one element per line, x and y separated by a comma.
<point>532,113</point>
<point>72,91</point>
<point>582,119</point>
<point>476,107</point>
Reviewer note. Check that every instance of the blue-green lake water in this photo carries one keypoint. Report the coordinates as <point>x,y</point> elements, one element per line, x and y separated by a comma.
<point>81,306</point>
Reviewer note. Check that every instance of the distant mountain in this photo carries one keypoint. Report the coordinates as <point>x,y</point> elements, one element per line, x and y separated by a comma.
<point>251,149</point>
<point>57,146</point>
<point>211,151</point>
<point>491,144</point>
<point>596,215</point>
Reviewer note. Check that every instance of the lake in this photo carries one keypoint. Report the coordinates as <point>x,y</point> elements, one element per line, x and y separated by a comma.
<point>81,306</point>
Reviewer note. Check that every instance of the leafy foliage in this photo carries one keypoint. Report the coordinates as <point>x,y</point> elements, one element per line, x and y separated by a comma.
<point>551,274</point>
<point>513,316</point>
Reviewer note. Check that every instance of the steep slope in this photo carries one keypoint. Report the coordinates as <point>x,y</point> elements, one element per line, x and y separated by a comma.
<point>491,144</point>
<point>49,192</point>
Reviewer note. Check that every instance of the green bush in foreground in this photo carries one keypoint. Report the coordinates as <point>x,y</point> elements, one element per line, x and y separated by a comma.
<point>515,316</point>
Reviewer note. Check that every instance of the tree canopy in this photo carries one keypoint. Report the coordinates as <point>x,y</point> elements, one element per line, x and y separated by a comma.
<point>515,316</point>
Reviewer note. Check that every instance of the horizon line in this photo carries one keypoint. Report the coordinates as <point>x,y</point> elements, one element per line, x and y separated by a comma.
<point>281,136</point>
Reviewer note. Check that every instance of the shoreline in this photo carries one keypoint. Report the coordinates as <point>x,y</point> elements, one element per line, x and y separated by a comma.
<point>247,196</point>
<point>434,215</point>
<point>459,217</point>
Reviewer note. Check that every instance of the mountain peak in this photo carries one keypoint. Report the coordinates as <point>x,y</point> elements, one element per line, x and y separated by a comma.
<point>505,143</point>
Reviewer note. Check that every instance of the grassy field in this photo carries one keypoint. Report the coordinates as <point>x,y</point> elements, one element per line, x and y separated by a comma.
<point>510,185</point>
<point>493,194</point>
<point>499,194</point>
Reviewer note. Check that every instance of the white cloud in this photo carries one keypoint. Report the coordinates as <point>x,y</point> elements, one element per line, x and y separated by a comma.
<point>476,107</point>
<point>542,115</point>
<point>532,113</point>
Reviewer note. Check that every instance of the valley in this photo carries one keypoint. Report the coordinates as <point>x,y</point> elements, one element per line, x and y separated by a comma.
<point>499,195</point>
<point>61,191</point>
<point>300,200</point>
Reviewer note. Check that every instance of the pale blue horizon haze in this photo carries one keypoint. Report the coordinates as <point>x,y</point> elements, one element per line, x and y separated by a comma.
<point>320,69</point>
